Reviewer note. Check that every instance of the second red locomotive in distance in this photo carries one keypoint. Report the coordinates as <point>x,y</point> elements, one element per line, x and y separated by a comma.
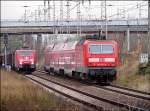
<point>24,60</point>
<point>88,59</point>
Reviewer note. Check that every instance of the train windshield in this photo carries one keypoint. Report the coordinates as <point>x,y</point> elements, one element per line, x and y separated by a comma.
<point>26,53</point>
<point>101,49</point>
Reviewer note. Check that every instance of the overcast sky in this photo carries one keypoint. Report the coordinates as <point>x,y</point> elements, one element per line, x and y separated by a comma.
<point>16,9</point>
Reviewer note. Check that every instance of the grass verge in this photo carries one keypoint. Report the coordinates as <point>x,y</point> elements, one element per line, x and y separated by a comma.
<point>20,94</point>
<point>130,76</point>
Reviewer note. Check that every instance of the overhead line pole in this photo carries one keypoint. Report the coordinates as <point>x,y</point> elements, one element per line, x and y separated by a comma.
<point>49,16</point>
<point>149,29</point>
<point>54,18</point>
<point>106,33</point>
<point>5,42</point>
<point>61,16</point>
<point>68,16</point>
<point>78,19</point>
<point>104,17</point>
<point>45,10</point>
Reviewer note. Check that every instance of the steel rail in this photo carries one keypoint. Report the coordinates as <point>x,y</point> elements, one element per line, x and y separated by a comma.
<point>122,88</point>
<point>96,97</point>
<point>130,89</point>
<point>66,95</point>
<point>125,93</point>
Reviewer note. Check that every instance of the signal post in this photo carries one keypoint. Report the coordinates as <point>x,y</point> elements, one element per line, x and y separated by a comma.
<point>149,29</point>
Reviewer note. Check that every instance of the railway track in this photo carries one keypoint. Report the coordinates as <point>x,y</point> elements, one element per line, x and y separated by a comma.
<point>127,91</point>
<point>134,90</point>
<point>99,98</point>
<point>122,90</point>
<point>73,94</point>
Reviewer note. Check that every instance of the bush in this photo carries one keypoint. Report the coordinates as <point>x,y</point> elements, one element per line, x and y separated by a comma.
<point>145,70</point>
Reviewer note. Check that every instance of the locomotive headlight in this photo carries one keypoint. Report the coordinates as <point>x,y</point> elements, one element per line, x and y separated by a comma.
<point>109,59</point>
<point>93,59</point>
<point>32,61</point>
<point>20,62</point>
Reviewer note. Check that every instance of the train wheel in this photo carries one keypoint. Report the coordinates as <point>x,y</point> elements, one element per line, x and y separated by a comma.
<point>73,74</point>
<point>76,75</point>
<point>18,69</point>
<point>51,71</point>
<point>86,78</point>
<point>48,72</point>
<point>103,80</point>
<point>61,71</point>
<point>27,72</point>
<point>99,79</point>
<point>45,69</point>
<point>83,76</point>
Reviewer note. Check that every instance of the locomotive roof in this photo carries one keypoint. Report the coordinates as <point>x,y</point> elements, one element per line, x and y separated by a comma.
<point>65,46</point>
<point>69,41</point>
<point>25,50</point>
<point>103,41</point>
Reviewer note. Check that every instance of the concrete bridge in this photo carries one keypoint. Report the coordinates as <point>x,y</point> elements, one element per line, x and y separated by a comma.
<point>87,26</point>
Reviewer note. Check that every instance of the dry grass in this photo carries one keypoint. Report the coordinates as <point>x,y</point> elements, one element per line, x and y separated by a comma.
<point>129,76</point>
<point>19,94</point>
<point>135,81</point>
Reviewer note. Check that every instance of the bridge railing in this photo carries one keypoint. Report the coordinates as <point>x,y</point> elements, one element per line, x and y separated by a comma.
<point>15,23</point>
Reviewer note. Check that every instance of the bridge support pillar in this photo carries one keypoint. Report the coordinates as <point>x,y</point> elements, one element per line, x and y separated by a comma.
<point>128,39</point>
<point>38,47</point>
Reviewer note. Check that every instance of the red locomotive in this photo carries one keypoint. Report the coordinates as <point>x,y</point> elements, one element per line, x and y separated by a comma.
<point>87,59</point>
<point>24,60</point>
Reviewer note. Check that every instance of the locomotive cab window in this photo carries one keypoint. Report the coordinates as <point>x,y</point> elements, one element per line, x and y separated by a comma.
<point>26,53</point>
<point>101,49</point>
<point>107,49</point>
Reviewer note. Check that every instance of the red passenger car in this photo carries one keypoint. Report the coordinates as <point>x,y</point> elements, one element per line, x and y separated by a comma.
<point>87,59</point>
<point>24,60</point>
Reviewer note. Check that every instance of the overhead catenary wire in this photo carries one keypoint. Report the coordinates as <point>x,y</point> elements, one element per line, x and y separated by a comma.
<point>127,10</point>
<point>111,16</point>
